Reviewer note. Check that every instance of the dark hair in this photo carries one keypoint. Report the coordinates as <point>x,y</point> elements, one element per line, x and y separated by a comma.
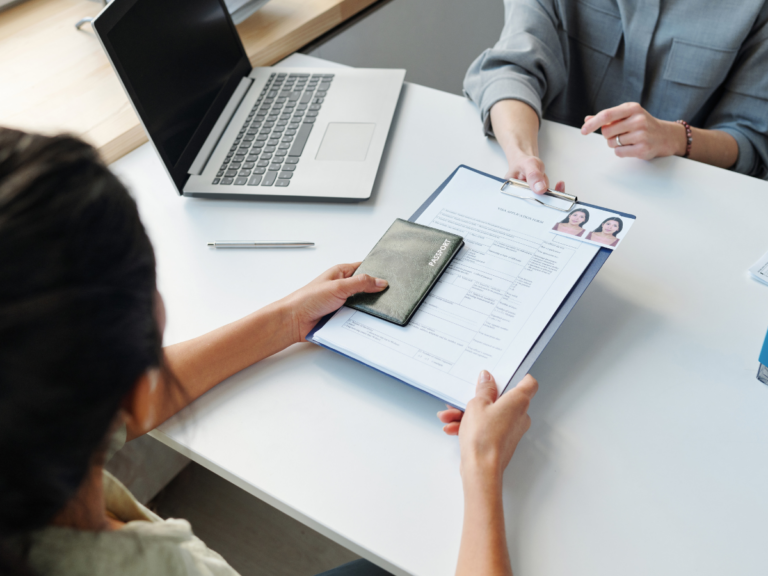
<point>621,225</point>
<point>586,217</point>
<point>77,321</point>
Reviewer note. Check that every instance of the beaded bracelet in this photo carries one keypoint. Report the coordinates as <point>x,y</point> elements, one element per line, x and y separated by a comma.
<point>688,137</point>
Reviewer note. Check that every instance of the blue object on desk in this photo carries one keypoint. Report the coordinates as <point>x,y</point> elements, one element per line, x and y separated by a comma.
<point>549,331</point>
<point>762,372</point>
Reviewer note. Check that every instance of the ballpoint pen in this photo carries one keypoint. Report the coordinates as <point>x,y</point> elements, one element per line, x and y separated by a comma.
<point>260,244</point>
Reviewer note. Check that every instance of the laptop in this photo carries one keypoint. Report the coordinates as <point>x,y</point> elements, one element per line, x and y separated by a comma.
<point>226,130</point>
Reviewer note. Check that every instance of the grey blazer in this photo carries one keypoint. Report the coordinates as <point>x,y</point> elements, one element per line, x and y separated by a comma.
<point>703,61</point>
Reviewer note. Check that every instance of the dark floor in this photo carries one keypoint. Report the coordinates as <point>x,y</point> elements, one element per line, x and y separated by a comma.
<point>254,537</point>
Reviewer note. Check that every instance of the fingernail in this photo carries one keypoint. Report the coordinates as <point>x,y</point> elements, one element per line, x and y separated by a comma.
<point>539,186</point>
<point>485,376</point>
<point>381,283</point>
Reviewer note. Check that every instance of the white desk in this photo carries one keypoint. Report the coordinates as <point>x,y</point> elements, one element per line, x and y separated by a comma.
<point>648,452</point>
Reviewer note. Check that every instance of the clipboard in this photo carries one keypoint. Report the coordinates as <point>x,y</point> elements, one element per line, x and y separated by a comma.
<point>514,183</point>
<point>557,318</point>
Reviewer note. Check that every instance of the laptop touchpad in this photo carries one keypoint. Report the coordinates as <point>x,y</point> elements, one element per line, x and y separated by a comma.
<point>346,141</point>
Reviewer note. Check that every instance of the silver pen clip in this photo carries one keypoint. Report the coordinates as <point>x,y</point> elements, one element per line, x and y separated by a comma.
<point>554,193</point>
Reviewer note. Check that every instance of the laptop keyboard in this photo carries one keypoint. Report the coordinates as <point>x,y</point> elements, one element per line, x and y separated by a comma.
<point>266,152</point>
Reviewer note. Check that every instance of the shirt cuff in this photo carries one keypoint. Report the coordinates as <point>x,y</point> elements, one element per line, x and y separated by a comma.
<point>745,163</point>
<point>512,87</point>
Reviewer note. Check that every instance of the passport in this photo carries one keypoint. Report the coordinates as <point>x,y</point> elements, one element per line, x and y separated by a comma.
<point>411,257</point>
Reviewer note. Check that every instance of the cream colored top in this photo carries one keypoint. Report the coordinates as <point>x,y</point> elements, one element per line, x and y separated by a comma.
<point>146,546</point>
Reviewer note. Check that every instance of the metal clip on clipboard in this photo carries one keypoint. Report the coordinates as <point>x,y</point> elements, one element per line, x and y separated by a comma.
<point>554,193</point>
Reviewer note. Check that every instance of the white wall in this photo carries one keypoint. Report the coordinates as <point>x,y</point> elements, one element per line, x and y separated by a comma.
<point>434,40</point>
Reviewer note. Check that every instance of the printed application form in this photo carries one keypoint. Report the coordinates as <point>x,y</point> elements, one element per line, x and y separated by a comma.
<point>490,305</point>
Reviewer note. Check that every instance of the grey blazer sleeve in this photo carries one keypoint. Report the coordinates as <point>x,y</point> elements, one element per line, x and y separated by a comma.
<point>526,64</point>
<point>742,110</point>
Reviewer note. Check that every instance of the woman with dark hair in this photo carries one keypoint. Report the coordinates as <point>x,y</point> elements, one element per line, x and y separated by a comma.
<point>82,368</point>
<point>573,223</point>
<point>606,232</point>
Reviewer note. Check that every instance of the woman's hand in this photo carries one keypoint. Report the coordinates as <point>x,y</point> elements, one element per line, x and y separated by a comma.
<point>530,169</point>
<point>488,432</point>
<point>325,294</point>
<point>201,363</point>
<point>641,135</point>
<point>491,427</point>
<point>516,127</point>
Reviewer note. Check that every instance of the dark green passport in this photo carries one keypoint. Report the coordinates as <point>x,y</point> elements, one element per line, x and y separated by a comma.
<point>411,257</point>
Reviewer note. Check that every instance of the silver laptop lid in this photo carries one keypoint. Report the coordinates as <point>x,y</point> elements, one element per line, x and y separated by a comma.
<point>180,61</point>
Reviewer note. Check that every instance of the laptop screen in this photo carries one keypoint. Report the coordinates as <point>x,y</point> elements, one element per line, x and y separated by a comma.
<point>176,58</point>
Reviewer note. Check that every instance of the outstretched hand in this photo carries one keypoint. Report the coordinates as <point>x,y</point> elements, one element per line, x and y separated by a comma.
<point>640,135</point>
<point>516,126</point>
<point>325,294</point>
<point>491,427</point>
<point>531,170</point>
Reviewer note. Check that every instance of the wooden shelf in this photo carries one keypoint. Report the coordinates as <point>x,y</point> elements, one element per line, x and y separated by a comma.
<point>54,78</point>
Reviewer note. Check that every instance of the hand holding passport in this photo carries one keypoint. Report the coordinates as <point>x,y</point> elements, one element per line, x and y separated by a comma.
<point>411,257</point>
